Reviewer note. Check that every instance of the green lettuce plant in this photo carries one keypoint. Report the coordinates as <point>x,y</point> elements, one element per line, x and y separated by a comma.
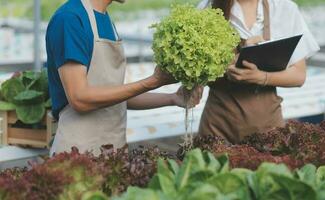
<point>202,176</point>
<point>195,46</point>
<point>26,93</point>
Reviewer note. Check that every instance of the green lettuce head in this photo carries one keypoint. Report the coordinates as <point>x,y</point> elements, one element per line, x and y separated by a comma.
<point>195,46</point>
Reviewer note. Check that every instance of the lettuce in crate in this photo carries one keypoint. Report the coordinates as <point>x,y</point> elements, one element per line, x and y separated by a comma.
<point>27,93</point>
<point>195,46</point>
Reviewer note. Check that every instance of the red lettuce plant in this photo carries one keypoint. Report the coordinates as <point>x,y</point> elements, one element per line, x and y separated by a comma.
<point>8,187</point>
<point>303,141</point>
<point>322,125</point>
<point>86,173</point>
<point>65,176</point>
<point>128,169</point>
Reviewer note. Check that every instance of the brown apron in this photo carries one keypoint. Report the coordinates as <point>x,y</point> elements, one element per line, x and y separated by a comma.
<point>235,110</point>
<point>89,131</point>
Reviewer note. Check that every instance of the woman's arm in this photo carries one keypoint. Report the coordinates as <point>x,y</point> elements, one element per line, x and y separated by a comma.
<point>84,97</point>
<point>293,76</point>
<point>156,100</point>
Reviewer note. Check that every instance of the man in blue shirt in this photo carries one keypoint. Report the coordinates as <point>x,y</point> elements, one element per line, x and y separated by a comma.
<point>86,68</point>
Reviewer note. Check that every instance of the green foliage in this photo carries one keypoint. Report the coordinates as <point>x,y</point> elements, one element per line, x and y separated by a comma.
<point>28,94</point>
<point>11,88</point>
<point>28,97</point>
<point>98,195</point>
<point>201,176</point>
<point>195,46</point>
<point>23,8</point>
<point>6,106</point>
<point>30,114</point>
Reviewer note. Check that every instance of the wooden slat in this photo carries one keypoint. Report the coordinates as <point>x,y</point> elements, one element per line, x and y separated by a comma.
<point>28,134</point>
<point>12,118</point>
<point>26,142</point>
<point>4,127</point>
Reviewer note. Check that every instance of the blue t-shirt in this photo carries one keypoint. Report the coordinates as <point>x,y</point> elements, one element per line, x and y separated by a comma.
<point>69,37</point>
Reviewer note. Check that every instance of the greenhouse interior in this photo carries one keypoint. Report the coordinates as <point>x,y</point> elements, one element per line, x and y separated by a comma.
<point>162,100</point>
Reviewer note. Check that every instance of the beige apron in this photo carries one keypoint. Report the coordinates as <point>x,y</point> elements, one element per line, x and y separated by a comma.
<point>89,131</point>
<point>235,110</point>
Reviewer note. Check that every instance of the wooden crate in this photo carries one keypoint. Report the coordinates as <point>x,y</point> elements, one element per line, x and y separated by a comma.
<point>13,135</point>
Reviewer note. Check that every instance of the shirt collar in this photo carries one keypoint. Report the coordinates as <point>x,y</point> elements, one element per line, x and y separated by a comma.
<point>237,15</point>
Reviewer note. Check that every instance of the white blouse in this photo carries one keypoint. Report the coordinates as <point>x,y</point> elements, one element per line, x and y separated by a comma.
<point>286,21</point>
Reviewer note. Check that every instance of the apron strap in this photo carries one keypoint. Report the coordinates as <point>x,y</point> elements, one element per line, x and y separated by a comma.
<point>90,11</point>
<point>267,28</point>
<point>118,38</point>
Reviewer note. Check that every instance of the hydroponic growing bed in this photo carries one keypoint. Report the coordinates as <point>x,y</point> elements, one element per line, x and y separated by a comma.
<point>285,163</point>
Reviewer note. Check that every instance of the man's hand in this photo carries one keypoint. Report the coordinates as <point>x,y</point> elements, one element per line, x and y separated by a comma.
<point>162,78</point>
<point>194,97</point>
<point>250,74</point>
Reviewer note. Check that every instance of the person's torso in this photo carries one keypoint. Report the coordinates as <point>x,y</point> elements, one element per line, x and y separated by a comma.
<point>282,17</point>
<point>105,30</point>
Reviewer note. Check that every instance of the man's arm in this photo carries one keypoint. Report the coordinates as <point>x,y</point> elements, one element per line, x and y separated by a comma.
<point>84,97</point>
<point>156,100</point>
<point>150,100</point>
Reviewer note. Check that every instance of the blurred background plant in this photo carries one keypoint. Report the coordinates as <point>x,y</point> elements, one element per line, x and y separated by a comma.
<point>23,8</point>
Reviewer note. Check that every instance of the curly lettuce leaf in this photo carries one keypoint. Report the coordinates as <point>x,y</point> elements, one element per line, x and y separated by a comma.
<point>195,46</point>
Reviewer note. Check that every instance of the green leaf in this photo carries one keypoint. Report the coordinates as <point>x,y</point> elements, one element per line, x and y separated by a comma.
<point>48,103</point>
<point>321,191</point>
<point>280,169</point>
<point>243,174</point>
<point>193,162</point>
<point>307,174</point>
<point>38,81</point>
<point>134,193</point>
<point>6,106</point>
<point>173,166</point>
<point>212,163</point>
<point>28,97</point>
<point>204,191</point>
<point>291,189</point>
<point>262,181</point>
<point>164,180</point>
<point>167,185</point>
<point>41,84</point>
<point>98,195</point>
<point>11,88</point>
<point>164,168</point>
<point>201,176</point>
<point>30,114</point>
<point>30,75</point>
<point>230,185</point>
<point>320,175</point>
<point>224,162</point>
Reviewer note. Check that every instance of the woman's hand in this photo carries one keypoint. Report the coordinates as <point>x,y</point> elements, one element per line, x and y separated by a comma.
<point>249,74</point>
<point>254,40</point>
<point>194,96</point>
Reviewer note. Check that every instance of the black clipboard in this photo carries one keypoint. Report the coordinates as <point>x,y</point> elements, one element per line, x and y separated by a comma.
<point>270,56</point>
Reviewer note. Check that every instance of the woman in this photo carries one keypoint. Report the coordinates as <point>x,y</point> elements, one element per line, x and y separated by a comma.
<point>245,100</point>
